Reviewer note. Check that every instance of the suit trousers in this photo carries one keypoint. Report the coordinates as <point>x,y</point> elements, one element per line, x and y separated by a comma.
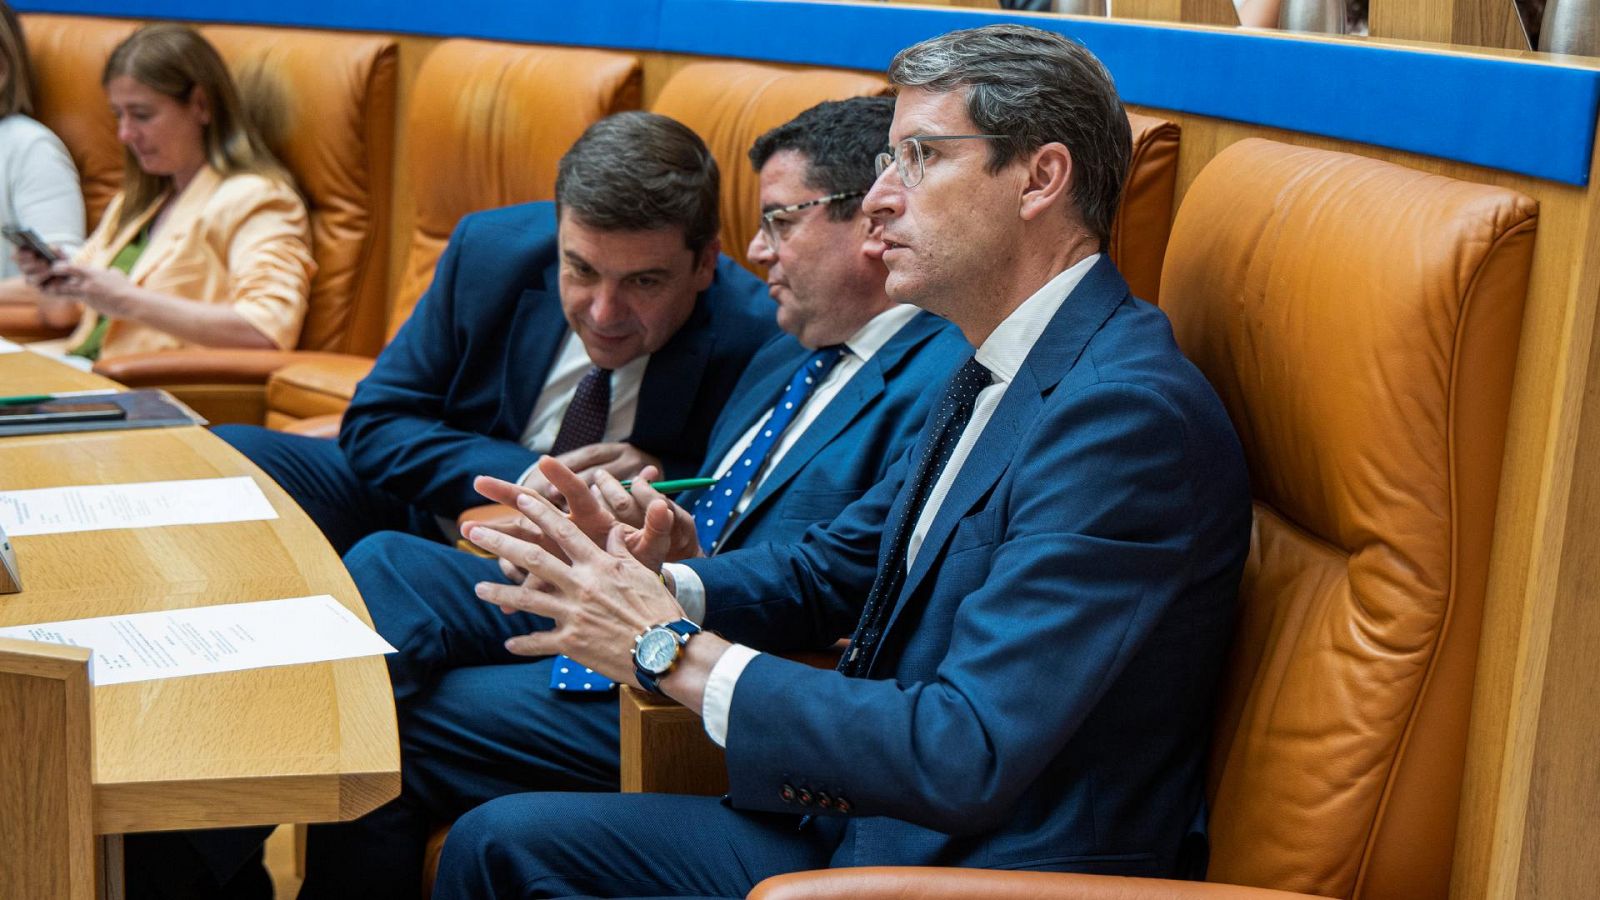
<point>314,472</point>
<point>476,722</point>
<point>624,845</point>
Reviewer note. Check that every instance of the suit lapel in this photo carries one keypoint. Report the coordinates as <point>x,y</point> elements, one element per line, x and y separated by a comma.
<point>672,381</point>
<point>186,208</point>
<point>863,388</point>
<point>537,330</point>
<point>1057,350</point>
<point>757,400</point>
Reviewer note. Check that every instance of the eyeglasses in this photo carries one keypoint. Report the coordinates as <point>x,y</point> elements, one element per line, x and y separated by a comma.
<point>909,155</point>
<point>770,222</point>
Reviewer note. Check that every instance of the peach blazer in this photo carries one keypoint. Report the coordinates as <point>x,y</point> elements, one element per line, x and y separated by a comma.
<point>242,240</point>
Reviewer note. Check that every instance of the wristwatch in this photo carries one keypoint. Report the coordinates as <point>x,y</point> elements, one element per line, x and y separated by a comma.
<point>657,650</point>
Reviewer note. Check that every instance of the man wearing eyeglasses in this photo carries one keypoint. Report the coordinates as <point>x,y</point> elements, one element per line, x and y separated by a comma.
<point>818,418</point>
<point>1039,595</point>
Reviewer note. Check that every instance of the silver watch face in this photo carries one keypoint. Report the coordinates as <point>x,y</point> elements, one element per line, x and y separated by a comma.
<point>657,649</point>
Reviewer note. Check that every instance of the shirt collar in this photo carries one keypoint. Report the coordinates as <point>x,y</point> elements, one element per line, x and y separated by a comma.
<point>871,337</point>
<point>1003,352</point>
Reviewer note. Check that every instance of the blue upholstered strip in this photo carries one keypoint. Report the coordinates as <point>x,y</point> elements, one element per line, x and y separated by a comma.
<point>1530,118</point>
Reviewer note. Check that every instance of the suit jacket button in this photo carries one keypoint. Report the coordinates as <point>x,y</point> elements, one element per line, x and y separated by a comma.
<point>824,801</point>
<point>804,796</point>
<point>786,793</point>
<point>842,805</point>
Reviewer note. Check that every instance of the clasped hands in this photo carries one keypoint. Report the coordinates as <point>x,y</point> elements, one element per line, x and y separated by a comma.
<point>592,570</point>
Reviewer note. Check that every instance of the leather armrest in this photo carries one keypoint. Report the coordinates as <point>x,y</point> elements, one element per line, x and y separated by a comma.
<point>489,512</point>
<point>195,366</point>
<point>316,384</point>
<point>317,426</point>
<point>894,883</point>
<point>20,322</point>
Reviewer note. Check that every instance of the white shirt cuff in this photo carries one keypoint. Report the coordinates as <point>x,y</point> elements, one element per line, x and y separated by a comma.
<point>690,591</point>
<point>523,478</point>
<point>717,704</point>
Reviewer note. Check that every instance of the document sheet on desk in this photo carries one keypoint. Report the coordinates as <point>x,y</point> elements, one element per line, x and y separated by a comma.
<point>209,639</point>
<point>97,507</point>
<point>8,347</point>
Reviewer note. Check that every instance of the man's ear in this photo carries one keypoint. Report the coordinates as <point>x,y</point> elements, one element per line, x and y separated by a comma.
<point>1049,180</point>
<point>705,265</point>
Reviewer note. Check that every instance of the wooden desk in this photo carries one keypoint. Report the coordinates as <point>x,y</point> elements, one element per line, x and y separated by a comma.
<point>302,743</point>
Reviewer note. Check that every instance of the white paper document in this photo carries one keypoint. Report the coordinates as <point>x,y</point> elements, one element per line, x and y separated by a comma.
<point>148,504</point>
<point>209,639</point>
<point>8,347</point>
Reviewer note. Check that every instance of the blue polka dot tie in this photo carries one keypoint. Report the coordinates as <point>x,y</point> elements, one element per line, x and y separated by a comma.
<point>946,423</point>
<point>712,513</point>
<point>716,508</point>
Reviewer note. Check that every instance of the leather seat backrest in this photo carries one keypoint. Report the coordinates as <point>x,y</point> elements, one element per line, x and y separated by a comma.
<point>334,99</point>
<point>730,105</point>
<point>1144,218</point>
<point>69,54</point>
<point>1360,322</point>
<point>332,102</point>
<point>487,124</point>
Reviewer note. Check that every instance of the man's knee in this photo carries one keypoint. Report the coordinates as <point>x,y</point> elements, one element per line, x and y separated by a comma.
<point>263,446</point>
<point>486,847</point>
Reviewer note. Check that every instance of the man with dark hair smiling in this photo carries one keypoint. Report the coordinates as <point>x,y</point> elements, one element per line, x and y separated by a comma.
<point>604,329</point>
<point>1039,594</point>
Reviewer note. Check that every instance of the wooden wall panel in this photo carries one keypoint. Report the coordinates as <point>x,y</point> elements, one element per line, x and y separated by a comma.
<point>1194,12</point>
<point>1475,23</point>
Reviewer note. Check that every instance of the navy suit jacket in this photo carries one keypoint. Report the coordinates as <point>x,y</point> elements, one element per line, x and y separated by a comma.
<point>845,450</point>
<point>1042,695</point>
<point>448,398</point>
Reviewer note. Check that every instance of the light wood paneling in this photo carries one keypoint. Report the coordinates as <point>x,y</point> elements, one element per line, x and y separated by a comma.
<point>45,740</point>
<point>1194,12</point>
<point>665,749</point>
<point>1473,23</point>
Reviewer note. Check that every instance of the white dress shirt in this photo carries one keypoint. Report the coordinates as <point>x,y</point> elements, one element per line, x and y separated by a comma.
<point>561,382</point>
<point>1002,353</point>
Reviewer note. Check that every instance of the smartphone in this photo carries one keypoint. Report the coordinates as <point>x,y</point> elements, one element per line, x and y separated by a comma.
<point>28,239</point>
<point>32,413</point>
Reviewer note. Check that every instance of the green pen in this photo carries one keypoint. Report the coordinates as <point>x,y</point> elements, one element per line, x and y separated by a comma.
<point>59,395</point>
<point>673,487</point>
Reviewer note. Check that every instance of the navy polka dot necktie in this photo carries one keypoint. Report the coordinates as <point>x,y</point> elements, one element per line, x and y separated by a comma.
<point>585,420</point>
<point>716,508</point>
<point>948,420</point>
<point>583,424</point>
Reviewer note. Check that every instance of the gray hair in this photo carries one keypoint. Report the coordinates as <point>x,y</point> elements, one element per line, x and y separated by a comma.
<point>639,171</point>
<point>1033,87</point>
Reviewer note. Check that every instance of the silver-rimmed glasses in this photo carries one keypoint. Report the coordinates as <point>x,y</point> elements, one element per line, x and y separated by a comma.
<point>772,227</point>
<point>909,156</point>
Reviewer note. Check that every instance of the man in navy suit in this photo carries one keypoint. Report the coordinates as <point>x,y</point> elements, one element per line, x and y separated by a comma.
<point>1040,592</point>
<point>604,329</point>
<point>476,721</point>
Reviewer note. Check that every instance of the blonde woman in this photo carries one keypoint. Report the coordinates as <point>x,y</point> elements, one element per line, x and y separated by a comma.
<point>208,242</point>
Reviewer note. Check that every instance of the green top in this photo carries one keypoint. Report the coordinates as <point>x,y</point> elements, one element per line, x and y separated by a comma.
<point>123,262</point>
